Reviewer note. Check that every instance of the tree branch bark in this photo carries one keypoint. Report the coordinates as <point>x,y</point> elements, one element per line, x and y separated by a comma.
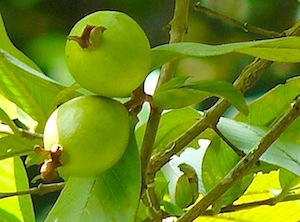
<point>178,28</point>
<point>244,164</point>
<point>40,190</point>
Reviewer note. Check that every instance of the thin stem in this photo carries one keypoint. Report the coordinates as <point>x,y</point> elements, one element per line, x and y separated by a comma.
<point>230,144</point>
<point>149,140</point>
<point>244,206</point>
<point>178,30</point>
<point>5,129</point>
<point>30,135</point>
<point>244,26</point>
<point>244,164</point>
<point>40,190</point>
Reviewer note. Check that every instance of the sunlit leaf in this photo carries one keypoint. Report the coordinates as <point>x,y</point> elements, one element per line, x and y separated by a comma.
<point>191,157</point>
<point>285,49</point>
<point>281,153</point>
<point>259,190</point>
<point>13,178</point>
<point>288,179</point>
<point>182,92</point>
<point>180,119</point>
<point>14,145</point>
<point>9,107</point>
<point>172,209</point>
<point>186,190</point>
<point>6,120</point>
<point>272,104</point>
<point>217,161</point>
<point>27,88</point>
<point>279,49</point>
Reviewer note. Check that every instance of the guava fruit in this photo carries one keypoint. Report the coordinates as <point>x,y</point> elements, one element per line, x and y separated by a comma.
<point>86,136</point>
<point>108,53</point>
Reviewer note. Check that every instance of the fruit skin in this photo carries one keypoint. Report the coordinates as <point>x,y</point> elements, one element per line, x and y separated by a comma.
<point>117,61</point>
<point>92,132</point>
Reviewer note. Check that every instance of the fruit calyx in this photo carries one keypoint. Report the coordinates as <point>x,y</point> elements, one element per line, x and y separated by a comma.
<point>138,98</point>
<point>49,168</point>
<point>89,37</point>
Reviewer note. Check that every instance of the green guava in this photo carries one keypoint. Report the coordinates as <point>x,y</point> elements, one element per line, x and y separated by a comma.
<point>108,53</point>
<point>87,135</point>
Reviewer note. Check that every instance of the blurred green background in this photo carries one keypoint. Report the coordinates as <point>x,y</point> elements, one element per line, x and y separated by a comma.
<point>39,29</point>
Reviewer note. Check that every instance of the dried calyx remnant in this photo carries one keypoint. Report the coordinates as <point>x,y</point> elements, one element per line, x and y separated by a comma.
<point>89,36</point>
<point>49,168</point>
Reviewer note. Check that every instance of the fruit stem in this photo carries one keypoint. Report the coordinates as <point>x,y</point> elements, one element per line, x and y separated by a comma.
<point>89,37</point>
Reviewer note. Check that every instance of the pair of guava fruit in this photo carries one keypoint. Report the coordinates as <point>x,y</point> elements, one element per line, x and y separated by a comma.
<point>107,53</point>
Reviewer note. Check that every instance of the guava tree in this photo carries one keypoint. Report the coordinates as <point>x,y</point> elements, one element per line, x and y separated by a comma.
<point>180,164</point>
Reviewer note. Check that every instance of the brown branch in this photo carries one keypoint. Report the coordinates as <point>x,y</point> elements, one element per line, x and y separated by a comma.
<point>178,30</point>
<point>41,189</point>
<point>239,152</point>
<point>268,202</point>
<point>244,26</point>
<point>245,164</point>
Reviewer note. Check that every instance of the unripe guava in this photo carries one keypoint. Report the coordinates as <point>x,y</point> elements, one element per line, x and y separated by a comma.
<point>91,134</point>
<point>108,53</point>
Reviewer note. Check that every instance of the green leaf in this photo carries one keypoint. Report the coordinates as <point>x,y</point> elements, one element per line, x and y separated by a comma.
<point>282,153</point>
<point>272,104</point>
<point>287,178</point>
<point>6,216</point>
<point>67,94</point>
<point>8,107</point>
<point>183,192</point>
<point>278,50</point>
<point>13,178</point>
<point>6,119</point>
<point>217,161</point>
<point>29,89</point>
<point>186,190</point>
<point>288,181</point>
<point>285,49</point>
<point>172,209</point>
<point>174,169</point>
<point>180,119</point>
<point>179,93</point>
<point>161,191</point>
<point>14,145</point>
<point>111,196</point>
